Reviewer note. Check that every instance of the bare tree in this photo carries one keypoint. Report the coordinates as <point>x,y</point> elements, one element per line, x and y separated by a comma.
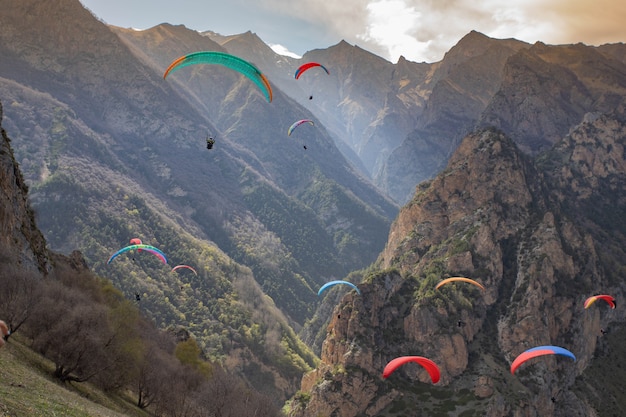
<point>18,295</point>
<point>225,395</point>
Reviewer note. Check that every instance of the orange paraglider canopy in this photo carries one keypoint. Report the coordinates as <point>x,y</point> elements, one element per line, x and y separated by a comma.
<point>462,279</point>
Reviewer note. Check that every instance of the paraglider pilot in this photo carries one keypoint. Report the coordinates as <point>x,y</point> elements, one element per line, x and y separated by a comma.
<point>209,142</point>
<point>4,332</point>
<point>137,297</point>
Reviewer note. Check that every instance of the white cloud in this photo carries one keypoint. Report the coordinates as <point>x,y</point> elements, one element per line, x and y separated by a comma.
<point>390,24</point>
<point>281,50</point>
<point>423,30</point>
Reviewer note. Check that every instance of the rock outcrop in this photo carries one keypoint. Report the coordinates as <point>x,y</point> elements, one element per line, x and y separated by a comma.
<point>533,233</point>
<point>19,236</point>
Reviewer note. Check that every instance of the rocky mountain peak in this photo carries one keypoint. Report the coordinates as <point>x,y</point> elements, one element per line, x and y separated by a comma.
<point>515,225</point>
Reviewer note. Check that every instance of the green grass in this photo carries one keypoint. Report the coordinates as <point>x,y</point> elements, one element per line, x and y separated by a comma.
<point>27,389</point>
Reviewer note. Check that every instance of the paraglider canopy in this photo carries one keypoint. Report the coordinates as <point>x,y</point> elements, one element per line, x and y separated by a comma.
<point>304,67</point>
<point>539,351</point>
<point>227,60</point>
<point>151,249</point>
<point>331,283</point>
<point>298,123</point>
<point>461,279</point>
<point>610,300</point>
<point>177,267</point>
<point>430,366</point>
<point>136,241</point>
<point>4,332</point>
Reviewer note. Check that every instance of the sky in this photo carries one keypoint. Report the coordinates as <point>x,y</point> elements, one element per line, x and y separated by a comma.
<point>419,30</point>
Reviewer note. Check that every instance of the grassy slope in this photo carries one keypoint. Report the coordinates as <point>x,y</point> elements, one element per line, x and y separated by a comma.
<point>27,389</point>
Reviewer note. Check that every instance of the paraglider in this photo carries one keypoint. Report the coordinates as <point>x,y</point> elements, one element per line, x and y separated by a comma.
<point>304,67</point>
<point>4,332</point>
<point>461,279</point>
<point>210,142</point>
<point>227,60</point>
<point>610,300</point>
<point>430,366</point>
<point>539,351</point>
<point>331,283</point>
<point>298,123</point>
<point>147,248</point>
<point>177,267</point>
<point>136,241</point>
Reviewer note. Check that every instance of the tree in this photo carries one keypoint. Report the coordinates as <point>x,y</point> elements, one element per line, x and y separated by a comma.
<point>19,293</point>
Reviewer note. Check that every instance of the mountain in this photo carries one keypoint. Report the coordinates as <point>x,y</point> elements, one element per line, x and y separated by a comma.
<point>404,120</point>
<point>21,240</point>
<point>77,346</point>
<point>92,119</point>
<point>264,221</point>
<point>541,234</point>
<point>493,150</point>
<point>559,86</point>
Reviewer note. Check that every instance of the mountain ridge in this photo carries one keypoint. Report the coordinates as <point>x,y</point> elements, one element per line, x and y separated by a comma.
<point>267,222</point>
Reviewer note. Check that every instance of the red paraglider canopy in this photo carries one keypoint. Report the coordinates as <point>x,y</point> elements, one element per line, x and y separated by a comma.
<point>136,241</point>
<point>302,68</point>
<point>430,366</point>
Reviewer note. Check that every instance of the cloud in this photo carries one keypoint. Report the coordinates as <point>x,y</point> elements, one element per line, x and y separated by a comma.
<point>390,23</point>
<point>423,30</point>
<point>281,50</point>
<point>420,30</point>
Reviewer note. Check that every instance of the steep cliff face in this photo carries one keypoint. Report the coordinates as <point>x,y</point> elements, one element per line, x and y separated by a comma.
<point>526,230</point>
<point>19,237</point>
<point>547,90</point>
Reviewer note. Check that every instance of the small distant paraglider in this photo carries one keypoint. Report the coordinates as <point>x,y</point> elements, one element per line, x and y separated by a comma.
<point>298,123</point>
<point>305,67</point>
<point>539,351</point>
<point>4,332</point>
<point>430,366</point>
<point>210,142</point>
